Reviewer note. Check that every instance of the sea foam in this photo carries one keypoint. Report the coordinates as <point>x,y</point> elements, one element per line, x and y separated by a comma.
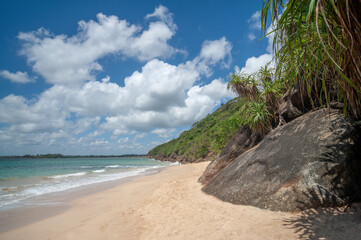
<point>69,175</point>
<point>89,172</point>
<point>67,182</point>
<point>112,166</point>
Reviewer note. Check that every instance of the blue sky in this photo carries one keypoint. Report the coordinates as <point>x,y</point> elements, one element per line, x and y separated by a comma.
<point>117,77</point>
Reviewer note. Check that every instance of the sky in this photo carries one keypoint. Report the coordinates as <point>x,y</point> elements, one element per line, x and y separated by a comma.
<point>118,76</point>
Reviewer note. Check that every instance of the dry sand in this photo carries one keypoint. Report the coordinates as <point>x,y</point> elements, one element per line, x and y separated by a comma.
<point>170,205</point>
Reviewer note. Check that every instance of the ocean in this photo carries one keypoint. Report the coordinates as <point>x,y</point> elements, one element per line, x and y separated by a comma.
<point>23,178</point>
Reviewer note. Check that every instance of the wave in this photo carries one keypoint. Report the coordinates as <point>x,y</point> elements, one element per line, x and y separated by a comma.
<point>112,166</point>
<point>57,183</point>
<point>69,175</point>
<point>66,183</point>
<point>86,166</point>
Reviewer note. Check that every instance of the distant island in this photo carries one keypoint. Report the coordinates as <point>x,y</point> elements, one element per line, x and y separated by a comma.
<point>57,155</point>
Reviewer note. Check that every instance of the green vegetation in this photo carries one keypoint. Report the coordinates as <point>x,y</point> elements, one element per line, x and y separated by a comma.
<point>262,95</point>
<point>317,54</point>
<point>208,136</point>
<point>317,45</point>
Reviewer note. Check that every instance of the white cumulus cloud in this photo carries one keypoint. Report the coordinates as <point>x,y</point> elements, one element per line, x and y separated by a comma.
<point>18,77</point>
<point>157,98</point>
<point>253,64</point>
<point>62,59</point>
<point>163,14</point>
<point>255,21</point>
<point>215,51</point>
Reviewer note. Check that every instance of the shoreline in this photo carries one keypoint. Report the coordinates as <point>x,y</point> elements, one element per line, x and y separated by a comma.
<point>37,208</point>
<point>171,205</point>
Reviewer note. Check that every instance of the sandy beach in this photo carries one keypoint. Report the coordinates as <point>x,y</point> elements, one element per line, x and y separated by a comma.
<point>170,205</point>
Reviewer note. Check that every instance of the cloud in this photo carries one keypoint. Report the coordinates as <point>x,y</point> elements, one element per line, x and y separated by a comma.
<point>161,85</point>
<point>270,34</point>
<point>123,140</point>
<point>197,105</point>
<point>251,36</point>
<point>215,51</point>
<point>18,77</point>
<point>172,101</point>
<point>253,64</point>
<point>28,117</point>
<point>15,110</point>
<point>95,113</point>
<point>255,21</point>
<point>78,110</point>
<point>164,132</point>
<point>62,59</point>
<point>164,15</point>
<point>201,100</point>
<point>254,24</point>
<point>85,123</point>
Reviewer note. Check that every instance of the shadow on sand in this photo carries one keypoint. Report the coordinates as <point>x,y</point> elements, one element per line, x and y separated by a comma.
<point>327,224</point>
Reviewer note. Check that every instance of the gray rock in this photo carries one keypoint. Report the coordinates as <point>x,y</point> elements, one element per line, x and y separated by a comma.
<point>241,141</point>
<point>313,161</point>
<point>292,104</point>
<point>336,105</point>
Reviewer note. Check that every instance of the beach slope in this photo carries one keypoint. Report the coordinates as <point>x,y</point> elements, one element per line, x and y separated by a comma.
<point>167,205</point>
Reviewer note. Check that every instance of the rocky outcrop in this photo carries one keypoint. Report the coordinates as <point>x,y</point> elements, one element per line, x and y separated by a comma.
<point>181,159</point>
<point>172,158</point>
<point>292,105</point>
<point>312,161</point>
<point>241,141</point>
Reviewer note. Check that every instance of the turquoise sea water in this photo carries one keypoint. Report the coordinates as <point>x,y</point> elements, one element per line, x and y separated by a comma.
<point>27,177</point>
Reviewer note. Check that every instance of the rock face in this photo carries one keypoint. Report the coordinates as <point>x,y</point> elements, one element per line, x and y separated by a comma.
<point>313,161</point>
<point>292,104</point>
<point>242,140</point>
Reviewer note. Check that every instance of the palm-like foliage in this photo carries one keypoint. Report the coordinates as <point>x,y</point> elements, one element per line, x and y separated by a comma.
<point>265,74</point>
<point>244,85</point>
<point>272,89</point>
<point>257,116</point>
<point>262,93</point>
<point>317,45</point>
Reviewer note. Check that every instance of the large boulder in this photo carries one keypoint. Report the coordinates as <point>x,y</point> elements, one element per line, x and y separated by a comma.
<point>313,161</point>
<point>292,105</point>
<point>241,141</point>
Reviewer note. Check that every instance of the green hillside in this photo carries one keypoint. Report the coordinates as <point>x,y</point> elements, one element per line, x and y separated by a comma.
<point>206,138</point>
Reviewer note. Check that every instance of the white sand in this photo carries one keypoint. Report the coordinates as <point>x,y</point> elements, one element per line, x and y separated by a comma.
<point>170,205</point>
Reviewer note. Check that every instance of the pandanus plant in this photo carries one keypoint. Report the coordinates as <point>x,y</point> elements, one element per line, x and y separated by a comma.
<point>317,46</point>
<point>262,93</point>
<point>244,85</point>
